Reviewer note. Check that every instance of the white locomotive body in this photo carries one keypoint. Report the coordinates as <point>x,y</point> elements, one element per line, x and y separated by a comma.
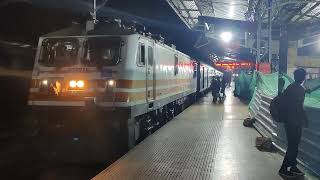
<point>96,89</point>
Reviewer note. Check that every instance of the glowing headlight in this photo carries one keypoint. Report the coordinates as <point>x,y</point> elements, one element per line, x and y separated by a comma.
<point>73,84</point>
<point>80,84</point>
<point>111,82</point>
<point>45,82</point>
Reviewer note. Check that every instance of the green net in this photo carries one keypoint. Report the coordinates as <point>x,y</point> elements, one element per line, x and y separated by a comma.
<point>246,84</point>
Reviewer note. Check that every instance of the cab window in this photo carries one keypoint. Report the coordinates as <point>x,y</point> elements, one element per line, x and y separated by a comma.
<point>101,51</point>
<point>59,52</point>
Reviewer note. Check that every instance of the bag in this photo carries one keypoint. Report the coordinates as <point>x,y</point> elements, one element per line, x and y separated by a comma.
<point>264,144</point>
<point>248,122</point>
<point>275,108</point>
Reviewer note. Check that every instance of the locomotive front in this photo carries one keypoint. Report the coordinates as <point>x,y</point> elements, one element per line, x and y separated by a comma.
<point>71,76</point>
<point>74,71</point>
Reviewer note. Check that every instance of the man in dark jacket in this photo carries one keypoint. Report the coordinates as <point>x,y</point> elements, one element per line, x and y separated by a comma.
<point>215,88</point>
<point>224,83</point>
<point>293,98</point>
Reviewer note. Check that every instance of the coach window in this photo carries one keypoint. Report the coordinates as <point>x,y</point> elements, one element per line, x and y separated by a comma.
<point>207,77</point>
<point>176,70</point>
<point>150,56</point>
<point>141,59</point>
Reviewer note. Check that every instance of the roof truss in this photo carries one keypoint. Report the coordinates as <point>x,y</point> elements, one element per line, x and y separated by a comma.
<point>190,10</point>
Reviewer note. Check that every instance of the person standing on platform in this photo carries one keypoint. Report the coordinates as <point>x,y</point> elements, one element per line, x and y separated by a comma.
<point>215,88</point>
<point>295,119</point>
<point>224,82</point>
<point>229,79</point>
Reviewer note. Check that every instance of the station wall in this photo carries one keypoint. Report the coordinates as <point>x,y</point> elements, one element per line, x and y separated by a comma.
<point>311,62</point>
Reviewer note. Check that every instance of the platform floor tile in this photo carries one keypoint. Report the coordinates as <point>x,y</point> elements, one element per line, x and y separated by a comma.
<point>206,141</point>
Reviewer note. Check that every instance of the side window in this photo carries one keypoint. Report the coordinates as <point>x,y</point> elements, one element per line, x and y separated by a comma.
<point>150,56</point>
<point>176,69</point>
<point>141,59</point>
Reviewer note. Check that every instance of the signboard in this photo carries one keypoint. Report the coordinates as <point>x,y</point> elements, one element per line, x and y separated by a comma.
<point>234,65</point>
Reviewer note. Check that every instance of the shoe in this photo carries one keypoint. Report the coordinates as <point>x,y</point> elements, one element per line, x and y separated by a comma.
<point>286,174</point>
<point>296,171</point>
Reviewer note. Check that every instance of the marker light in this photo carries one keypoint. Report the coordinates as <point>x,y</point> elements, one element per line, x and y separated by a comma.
<point>45,82</point>
<point>73,84</point>
<point>80,84</point>
<point>111,82</point>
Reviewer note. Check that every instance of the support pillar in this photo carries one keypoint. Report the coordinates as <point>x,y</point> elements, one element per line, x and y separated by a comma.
<point>258,41</point>
<point>269,30</point>
<point>283,50</point>
<point>283,53</point>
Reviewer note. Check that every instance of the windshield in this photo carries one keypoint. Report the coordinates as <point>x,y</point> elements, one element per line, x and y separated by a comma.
<point>101,51</point>
<point>59,52</point>
<point>94,51</point>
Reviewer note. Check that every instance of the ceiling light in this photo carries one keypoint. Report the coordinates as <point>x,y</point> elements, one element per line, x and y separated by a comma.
<point>226,36</point>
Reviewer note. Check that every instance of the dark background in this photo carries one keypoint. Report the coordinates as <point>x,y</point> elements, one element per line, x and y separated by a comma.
<point>25,21</point>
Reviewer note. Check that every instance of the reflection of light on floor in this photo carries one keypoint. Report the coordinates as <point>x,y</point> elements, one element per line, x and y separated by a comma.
<point>227,166</point>
<point>229,98</point>
<point>228,109</point>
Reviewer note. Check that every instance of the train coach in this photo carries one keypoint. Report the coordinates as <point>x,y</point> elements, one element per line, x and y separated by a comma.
<point>95,94</point>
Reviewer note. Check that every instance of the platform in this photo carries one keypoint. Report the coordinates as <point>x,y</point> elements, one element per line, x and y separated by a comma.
<point>206,141</point>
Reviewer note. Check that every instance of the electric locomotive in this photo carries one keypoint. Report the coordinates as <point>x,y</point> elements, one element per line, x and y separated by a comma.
<point>95,94</point>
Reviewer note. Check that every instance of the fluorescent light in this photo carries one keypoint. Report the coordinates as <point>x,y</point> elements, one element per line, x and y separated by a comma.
<point>231,11</point>
<point>25,46</point>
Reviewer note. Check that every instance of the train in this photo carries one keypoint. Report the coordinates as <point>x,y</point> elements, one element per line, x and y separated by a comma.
<point>96,94</point>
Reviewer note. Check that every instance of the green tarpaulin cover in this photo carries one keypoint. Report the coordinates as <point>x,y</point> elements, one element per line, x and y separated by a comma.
<point>246,84</point>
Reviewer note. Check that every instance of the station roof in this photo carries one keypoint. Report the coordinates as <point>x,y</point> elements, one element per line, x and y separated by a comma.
<point>308,12</point>
<point>190,10</point>
<point>288,11</point>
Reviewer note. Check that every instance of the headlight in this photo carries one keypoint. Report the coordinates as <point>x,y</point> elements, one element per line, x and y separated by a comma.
<point>80,84</point>
<point>111,83</point>
<point>73,84</point>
